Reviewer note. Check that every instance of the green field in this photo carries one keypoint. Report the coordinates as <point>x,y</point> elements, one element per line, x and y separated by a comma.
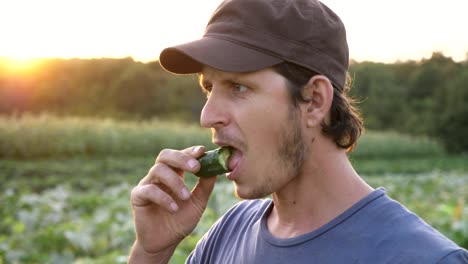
<point>65,184</point>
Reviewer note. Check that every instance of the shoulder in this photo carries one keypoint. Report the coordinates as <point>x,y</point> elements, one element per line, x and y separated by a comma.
<point>455,257</point>
<point>407,236</point>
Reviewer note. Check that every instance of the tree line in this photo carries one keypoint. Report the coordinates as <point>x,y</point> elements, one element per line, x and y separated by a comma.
<point>118,88</point>
<point>425,97</point>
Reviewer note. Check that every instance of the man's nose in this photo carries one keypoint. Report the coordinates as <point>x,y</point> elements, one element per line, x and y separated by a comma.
<point>214,113</point>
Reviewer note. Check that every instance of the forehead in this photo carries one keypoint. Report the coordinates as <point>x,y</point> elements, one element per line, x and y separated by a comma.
<point>210,74</point>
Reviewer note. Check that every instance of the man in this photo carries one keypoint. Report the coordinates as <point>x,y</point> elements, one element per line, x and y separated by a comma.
<point>275,76</point>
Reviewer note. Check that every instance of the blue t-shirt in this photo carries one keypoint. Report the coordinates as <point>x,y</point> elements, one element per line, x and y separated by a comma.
<point>377,229</point>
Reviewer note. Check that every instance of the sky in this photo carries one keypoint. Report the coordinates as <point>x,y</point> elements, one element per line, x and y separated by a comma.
<point>377,30</point>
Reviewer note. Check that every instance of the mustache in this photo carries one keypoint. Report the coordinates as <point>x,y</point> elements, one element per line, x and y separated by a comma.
<point>222,136</point>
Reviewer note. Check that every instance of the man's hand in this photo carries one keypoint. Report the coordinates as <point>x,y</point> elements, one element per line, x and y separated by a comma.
<point>164,210</point>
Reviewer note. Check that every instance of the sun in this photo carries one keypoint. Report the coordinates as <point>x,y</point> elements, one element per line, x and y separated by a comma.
<point>20,65</point>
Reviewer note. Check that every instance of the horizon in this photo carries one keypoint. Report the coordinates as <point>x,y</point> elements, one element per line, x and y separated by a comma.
<point>351,60</point>
<point>381,32</point>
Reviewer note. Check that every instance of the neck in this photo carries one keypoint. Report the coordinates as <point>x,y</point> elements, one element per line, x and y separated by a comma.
<point>326,187</point>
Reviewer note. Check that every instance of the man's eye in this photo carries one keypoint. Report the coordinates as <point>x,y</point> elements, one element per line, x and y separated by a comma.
<point>239,88</point>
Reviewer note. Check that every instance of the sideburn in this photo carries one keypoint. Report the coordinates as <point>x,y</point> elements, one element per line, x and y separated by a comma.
<point>292,149</point>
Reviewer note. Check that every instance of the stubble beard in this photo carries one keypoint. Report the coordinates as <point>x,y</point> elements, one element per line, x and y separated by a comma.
<point>287,162</point>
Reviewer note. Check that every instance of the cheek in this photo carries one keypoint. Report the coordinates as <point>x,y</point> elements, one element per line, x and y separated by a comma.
<point>263,123</point>
<point>262,133</point>
<point>261,118</point>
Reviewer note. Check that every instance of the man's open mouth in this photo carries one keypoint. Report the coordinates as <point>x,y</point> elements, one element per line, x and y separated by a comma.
<point>234,159</point>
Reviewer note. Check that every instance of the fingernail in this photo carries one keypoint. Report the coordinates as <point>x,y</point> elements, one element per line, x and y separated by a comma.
<point>193,164</point>
<point>174,207</point>
<point>185,194</point>
<point>196,149</point>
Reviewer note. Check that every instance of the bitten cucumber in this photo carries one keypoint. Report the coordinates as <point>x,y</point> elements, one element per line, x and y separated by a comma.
<point>214,162</point>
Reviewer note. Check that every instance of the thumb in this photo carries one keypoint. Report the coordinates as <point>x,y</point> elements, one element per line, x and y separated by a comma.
<point>203,189</point>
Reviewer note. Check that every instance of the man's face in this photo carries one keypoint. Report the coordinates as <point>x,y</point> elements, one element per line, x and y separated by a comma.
<point>253,113</point>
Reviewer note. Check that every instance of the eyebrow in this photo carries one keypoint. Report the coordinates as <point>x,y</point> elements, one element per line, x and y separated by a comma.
<point>231,77</point>
<point>227,76</point>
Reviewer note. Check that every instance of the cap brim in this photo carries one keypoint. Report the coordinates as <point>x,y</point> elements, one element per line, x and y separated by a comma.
<point>216,53</point>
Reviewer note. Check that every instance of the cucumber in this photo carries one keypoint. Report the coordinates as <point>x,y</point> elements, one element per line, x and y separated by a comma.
<point>214,162</point>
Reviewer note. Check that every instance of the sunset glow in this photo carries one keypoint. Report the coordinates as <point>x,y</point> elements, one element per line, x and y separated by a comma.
<point>20,65</point>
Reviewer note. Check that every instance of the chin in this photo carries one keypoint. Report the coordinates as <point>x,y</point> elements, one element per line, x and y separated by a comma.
<point>249,193</point>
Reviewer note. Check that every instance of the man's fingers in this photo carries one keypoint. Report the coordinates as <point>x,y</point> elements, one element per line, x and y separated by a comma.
<point>166,173</point>
<point>201,192</point>
<point>145,195</point>
<point>195,151</point>
<point>184,159</point>
<point>167,177</point>
<point>163,183</point>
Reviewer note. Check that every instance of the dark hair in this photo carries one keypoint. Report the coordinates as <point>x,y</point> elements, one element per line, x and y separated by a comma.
<point>346,124</point>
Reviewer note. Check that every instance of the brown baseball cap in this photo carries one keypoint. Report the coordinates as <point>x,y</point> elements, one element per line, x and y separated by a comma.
<point>249,35</point>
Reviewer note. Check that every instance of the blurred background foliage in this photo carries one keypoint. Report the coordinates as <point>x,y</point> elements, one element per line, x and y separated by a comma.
<point>424,97</point>
<point>76,135</point>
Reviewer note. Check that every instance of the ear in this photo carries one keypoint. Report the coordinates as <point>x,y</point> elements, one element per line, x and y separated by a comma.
<point>319,94</point>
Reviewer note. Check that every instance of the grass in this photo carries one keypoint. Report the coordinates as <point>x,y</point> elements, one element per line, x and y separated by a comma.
<point>45,136</point>
<point>77,210</point>
<point>90,172</point>
<point>66,184</point>
<point>409,166</point>
<point>393,145</point>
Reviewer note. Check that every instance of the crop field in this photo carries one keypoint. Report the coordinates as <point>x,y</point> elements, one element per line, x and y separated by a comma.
<point>65,184</point>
